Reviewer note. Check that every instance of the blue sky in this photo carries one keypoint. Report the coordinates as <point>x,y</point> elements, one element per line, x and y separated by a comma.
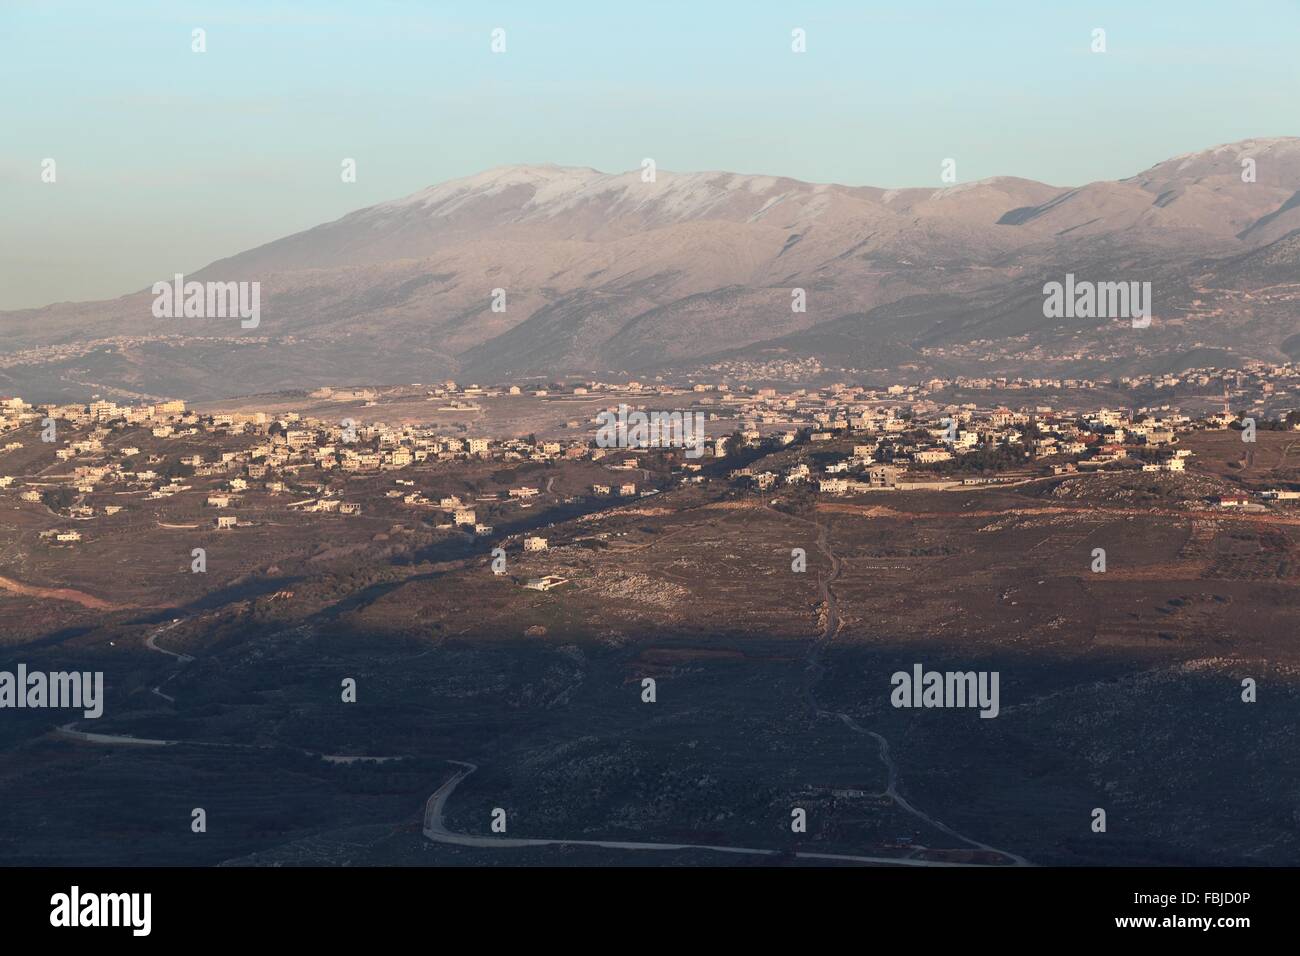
<point>168,159</point>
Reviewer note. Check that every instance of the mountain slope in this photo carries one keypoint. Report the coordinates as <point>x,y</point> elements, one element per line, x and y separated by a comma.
<point>605,273</point>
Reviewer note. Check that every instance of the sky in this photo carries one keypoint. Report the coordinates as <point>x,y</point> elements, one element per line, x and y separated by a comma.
<point>166,159</point>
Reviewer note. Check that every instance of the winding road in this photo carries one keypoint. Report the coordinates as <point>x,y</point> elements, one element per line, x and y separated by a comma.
<point>126,740</point>
<point>813,673</point>
<point>435,829</point>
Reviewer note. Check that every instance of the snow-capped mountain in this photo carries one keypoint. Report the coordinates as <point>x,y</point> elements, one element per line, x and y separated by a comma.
<point>604,273</point>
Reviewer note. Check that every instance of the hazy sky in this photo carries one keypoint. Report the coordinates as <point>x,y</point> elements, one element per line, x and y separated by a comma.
<point>168,159</point>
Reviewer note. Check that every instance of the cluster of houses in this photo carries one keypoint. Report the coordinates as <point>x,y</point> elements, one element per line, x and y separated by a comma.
<point>254,451</point>
<point>908,447</point>
<point>1253,381</point>
<point>902,436</point>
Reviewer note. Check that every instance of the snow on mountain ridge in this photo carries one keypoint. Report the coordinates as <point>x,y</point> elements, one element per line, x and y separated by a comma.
<point>557,190</point>
<point>560,189</point>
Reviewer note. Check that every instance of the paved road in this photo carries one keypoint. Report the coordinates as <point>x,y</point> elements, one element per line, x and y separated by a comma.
<point>69,730</point>
<point>126,740</point>
<point>151,642</point>
<point>435,829</point>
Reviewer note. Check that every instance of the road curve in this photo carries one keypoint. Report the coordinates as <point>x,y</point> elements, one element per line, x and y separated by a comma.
<point>435,829</point>
<point>814,671</point>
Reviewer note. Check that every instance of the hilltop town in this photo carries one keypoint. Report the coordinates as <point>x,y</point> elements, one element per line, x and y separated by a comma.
<point>83,464</point>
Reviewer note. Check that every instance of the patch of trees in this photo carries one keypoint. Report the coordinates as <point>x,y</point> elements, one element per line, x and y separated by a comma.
<point>801,502</point>
<point>1271,424</point>
<point>1147,454</point>
<point>58,499</point>
<point>175,468</point>
<point>983,461</point>
<point>740,455</point>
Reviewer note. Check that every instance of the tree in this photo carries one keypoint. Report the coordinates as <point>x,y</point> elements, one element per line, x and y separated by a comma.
<point>57,499</point>
<point>175,468</point>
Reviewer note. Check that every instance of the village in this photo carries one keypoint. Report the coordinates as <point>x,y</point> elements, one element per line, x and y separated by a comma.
<point>845,440</point>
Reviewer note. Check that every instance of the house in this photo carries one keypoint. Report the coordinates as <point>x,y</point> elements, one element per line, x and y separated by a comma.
<point>465,516</point>
<point>349,508</point>
<point>1232,501</point>
<point>930,456</point>
<point>627,491</point>
<point>226,521</point>
<point>535,543</point>
<point>883,476</point>
<point>545,583</point>
<point>68,536</point>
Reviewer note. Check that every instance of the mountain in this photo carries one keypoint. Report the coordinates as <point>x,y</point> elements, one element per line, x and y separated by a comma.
<point>606,274</point>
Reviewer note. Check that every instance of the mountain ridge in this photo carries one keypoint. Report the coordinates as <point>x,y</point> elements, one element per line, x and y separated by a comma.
<point>604,273</point>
